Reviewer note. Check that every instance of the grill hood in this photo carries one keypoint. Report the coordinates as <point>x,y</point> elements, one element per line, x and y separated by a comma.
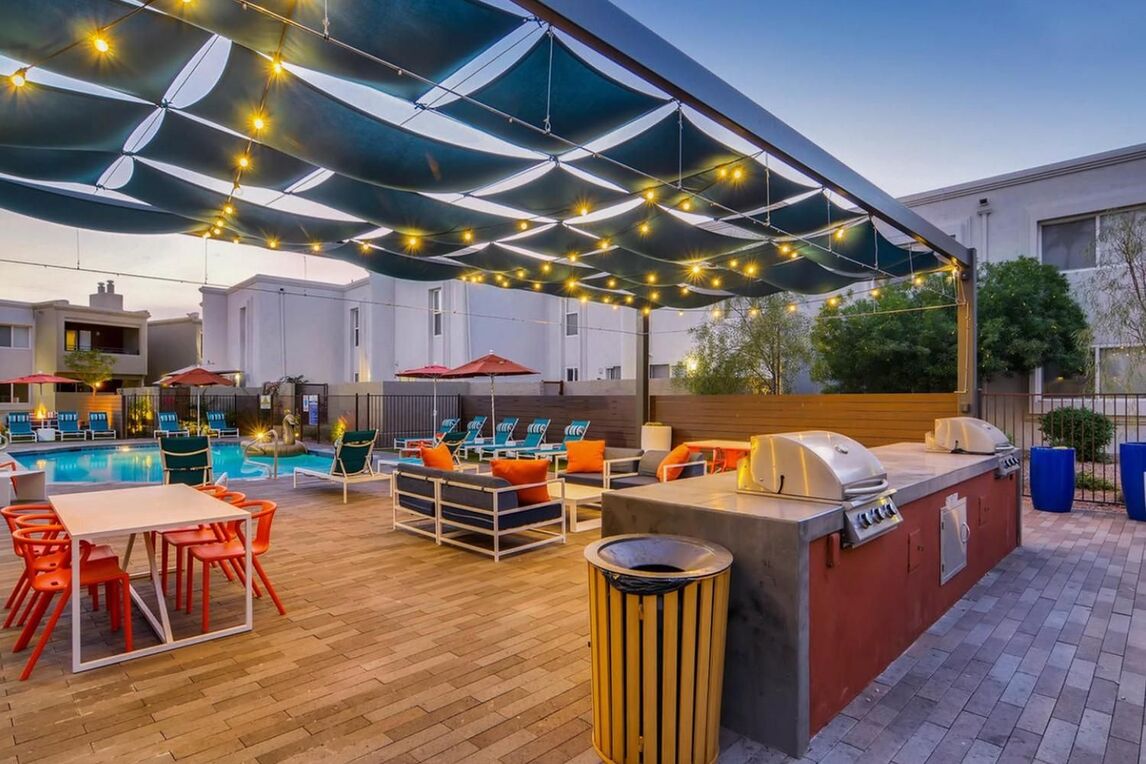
<point>968,435</point>
<point>816,464</point>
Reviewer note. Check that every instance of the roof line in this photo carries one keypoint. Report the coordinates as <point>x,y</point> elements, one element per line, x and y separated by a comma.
<point>1029,175</point>
<point>621,38</point>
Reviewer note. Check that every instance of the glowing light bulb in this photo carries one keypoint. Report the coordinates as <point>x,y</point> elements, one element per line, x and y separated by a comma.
<point>833,301</point>
<point>734,263</point>
<point>716,282</point>
<point>521,273</point>
<point>612,283</point>
<point>645,228</point>
<point>273,243</point>
<point>650,195</point>
<point>545,268</point>
<point>228,209</point>
<point>737,174</point>
<point>917,280</point>
<point>412,242</point>
<point>655,295</point>
<point>364,248</point>
<point>244,162</point>
<point>629,300</point>
<point>875,293</point>
<point>536,286</point>
<point>753,312</point>
<point>583,209</point>
<point>750,270</point>
<point>684,290</point>
<point>616,306</point>
<point>18,78</point>
<point>686,205</point>
<point>522,225</point>
<point>716,312</point>
<point>785,248</point>
<point>584,298</point>
<point>218,222</point>
<point>216,230</point>
<point>722,172</point>
<point>468,236</point>
<point>316,247</point>
<point>603,244</point>
<point>100,43</point>
<point>695,269</point>
<point>652,278</point>
<point>570,283</point>
<point>236,239</point>
<point>840,234</point>
<point>680,312</point>
<point>276,64</point>
<point>258,122</point>
<point>646,310</point>
<point>572,257</point>
<point>791,308</point>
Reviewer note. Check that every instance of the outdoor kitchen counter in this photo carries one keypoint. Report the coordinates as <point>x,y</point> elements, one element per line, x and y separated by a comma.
<point>812,622</point>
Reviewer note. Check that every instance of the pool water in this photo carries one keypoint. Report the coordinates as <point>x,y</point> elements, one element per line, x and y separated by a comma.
<point>142,464</point>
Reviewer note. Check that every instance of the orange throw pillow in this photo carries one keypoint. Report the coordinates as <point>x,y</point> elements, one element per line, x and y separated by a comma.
<point>524,472</point>
<point>438,457</point>
<point>585,456</point>
<point>678,455</point>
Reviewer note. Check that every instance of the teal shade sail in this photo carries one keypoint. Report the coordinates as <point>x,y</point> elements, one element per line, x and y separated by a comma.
<point>88,211</point>
<point>44,116</point>
<point>74,166</point>
<point>557,192</point>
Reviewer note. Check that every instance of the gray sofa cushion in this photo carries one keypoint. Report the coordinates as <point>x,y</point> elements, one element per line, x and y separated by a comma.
<point>504,521</point>
<point>594,479</point>
<point>650,460</point>
<point>621,453</point>
<point>633,481</point>
<point>467,489</point>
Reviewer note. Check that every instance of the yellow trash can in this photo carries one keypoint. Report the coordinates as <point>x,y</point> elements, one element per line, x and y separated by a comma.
<point>658,611</point>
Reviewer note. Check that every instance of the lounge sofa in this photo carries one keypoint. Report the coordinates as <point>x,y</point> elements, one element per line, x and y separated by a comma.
<point>462,508</point>
<point>631,467</point>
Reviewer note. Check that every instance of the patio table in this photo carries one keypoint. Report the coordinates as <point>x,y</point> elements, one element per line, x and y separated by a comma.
<point>131,511</point>
<point>725,453</point>
<point>22,486</point>
<point>576,497</point>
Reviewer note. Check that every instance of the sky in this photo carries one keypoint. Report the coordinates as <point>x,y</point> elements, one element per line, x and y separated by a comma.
<point>912,95</point>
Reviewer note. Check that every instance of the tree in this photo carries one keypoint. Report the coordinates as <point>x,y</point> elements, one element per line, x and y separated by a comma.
<point>750,345</point>
<point>1118,288</point>
<point>91,367</point>
<point>899,340</point>
<point>1027,319</point>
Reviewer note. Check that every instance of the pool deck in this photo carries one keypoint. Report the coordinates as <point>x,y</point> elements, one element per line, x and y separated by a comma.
<point>394,649</point>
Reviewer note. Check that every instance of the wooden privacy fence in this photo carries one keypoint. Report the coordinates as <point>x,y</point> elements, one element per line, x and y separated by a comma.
<point>873,420</point>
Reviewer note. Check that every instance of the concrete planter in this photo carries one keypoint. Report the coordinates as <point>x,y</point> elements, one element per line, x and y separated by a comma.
<point>656,437</point>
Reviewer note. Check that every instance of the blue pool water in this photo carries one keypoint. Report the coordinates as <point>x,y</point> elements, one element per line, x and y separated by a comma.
<point>141,464</point>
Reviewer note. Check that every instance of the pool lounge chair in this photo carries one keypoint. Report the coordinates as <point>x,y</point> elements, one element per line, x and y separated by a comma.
<point>20,426</point>
<point>448,425</point>
<point>186,460</point>
<point>534,437</point>
<point>502,434</point>
<point>169,425</point>
<point>352,462</point>
<point>575,431</point>
<point>98,426</point>
<point>68,425</point>
<point>217,425</point>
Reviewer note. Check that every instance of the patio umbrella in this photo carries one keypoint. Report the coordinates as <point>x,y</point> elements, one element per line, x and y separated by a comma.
<point>196,377</point>
<point>489,365</point>
<point>431,372</point>
<point>39,379</point>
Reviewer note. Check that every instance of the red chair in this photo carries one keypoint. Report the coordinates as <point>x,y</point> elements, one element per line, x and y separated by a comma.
<point>184,538</point>
<point>232,551</point>
<point>33,515</point>
<point>41,541</point>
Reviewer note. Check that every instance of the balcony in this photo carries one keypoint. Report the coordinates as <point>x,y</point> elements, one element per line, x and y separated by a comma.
<point>114,340</point>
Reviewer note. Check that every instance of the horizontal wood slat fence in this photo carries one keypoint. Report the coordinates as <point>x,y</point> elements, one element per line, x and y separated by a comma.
<point>611,417</point>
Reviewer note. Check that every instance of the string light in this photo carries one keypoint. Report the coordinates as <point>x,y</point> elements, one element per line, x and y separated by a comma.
<point>603,243</point>
<point>245,162</point>
<point>791,307</point>
<point>722,172</point>
<point>616,306</point>
<point>645,228</point>
<point>875,293</point>
<point>412,242</point>
<point>695,269</point>
<point>754,312</point>
<point>612,283</point>
<point>364,248</point>
<point>750,270</point>
<point>652,278</point>
<point>584,299</point>
<point>258,122</point>
<point>840,234</point>
<point>583,209</point>
<point>521,273</point>
<point>536,286</point>
<point>646,310</point>
<point>684,290</point>
<point>522,225</point>
<point>273,243</point>
<point>316,247</point>
<point>629,300</point>
<point>680,312</point>
<point>572,257</point>
<point>276,62</point>
<point>228,209</point>
<point>467,236</point>
<point>833,301</point>
<point>216,230</point>
<point>686,205</point>
<point>655,295</point>
<point>650,195</point>
<point>545,268</point>
<point>716,282</point>
<point>734,263</point>
<point>18,78</point>
<point>100,43</point>
<point>737,174</point>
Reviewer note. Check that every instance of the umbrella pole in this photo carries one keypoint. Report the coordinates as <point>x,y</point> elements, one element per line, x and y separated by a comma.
<point>492,410</point>
<point>434,418</point>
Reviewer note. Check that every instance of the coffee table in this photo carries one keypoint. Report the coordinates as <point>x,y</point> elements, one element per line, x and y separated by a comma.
<point>577,497</point>
<point>22,485</point>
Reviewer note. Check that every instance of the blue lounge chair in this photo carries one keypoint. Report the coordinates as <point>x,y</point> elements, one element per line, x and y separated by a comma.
<point>473,431</point>
<point>448,425</point>
<point>534,437</point>
<point>186,460</point>
<point>575,431</point>
<point>352,462</point>
<point>502,434</point>
<point>98,426</point>
<point>68,425</point>
<point>169,425</point>
<point>20,426</point>
<point>217,425</point>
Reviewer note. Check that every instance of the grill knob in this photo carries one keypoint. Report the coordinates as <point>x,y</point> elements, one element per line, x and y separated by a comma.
<point>863,519</point>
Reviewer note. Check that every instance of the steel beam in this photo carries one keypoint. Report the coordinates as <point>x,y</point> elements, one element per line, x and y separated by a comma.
<point>966,323</point>
<point>642,410</point>
<point>621,38</point>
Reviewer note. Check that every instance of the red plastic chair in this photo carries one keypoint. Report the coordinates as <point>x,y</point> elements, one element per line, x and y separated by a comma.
<point>232,551</point>
<point>28,516</point>
<point>37,542</point>
<point>183,538</point>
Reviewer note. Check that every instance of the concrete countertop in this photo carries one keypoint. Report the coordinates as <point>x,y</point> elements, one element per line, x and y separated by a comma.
<point>912,471</point>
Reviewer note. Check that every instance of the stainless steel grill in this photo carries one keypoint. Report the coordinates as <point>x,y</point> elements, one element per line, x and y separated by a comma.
<point>968,435</point>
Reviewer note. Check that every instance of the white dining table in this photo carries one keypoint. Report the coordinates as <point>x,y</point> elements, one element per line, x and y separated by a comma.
<point>100,515</point>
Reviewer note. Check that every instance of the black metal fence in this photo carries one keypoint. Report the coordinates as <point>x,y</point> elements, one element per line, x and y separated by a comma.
<point>1093,425</point>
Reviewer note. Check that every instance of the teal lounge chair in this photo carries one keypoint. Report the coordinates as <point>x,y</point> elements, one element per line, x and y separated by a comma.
<point>473,430</point>
<point>68,425</point>
<point>351,464</point>
<point>575,431</point>
<point>186,460</point>
<point>169,425</point>
<point>502,434</point>
<point>20,426</point>
<point>98,426</point>
<point>534,437</point>
<point>217,425</point>
<point>448,425</point>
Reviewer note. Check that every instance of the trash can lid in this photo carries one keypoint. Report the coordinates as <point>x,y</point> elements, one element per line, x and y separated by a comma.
<point>644,555</point>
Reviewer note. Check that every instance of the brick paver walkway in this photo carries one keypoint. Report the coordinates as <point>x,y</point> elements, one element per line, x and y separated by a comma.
<point>396,650</point>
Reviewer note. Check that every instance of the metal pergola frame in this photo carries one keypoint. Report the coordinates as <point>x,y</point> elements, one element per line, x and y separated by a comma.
<point>622,39</point>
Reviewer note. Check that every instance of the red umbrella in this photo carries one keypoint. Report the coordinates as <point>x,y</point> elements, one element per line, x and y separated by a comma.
<point>39,379</point>
<point>490,365</point>
<point>431,372</point>
<point>196,377</point>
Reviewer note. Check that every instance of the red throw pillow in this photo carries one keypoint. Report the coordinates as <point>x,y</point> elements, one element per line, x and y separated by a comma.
<point>438,457</point>
<point>585,456</point>
<point>678,455</point>
<point>524,472</point>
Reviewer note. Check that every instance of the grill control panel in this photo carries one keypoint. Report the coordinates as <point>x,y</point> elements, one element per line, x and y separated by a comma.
<point>870,519</point>
<point>1008,463</point>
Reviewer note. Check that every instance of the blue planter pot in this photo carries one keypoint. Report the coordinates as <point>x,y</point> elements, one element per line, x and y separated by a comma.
<point>1052,479</point>
<point>1132,470</point>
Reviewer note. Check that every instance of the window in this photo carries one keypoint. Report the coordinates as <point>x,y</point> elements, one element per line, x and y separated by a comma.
<point>77,339</point>
<point>436,312</point>
<point>571,321</point>
<point>659,371</point>
<point>613,372</point>
<point>1070,246</point>
<point>1120,370</point>
<point>572,374</point>
<point>1057,383</point>
<point>13,393</point>
<point>15,336</point>
<point>355,334</point>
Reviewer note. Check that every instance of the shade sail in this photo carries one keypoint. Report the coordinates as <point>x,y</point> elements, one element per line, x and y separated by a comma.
<point>465,140</point>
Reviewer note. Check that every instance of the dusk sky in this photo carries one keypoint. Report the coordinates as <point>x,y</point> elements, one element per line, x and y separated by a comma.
<point>912,95</point>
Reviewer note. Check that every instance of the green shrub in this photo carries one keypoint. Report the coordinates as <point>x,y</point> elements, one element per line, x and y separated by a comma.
<point>1086,431</point>
<point>1087,481</point>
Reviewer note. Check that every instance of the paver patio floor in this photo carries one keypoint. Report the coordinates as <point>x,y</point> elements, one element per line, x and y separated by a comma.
<point>396,650</point>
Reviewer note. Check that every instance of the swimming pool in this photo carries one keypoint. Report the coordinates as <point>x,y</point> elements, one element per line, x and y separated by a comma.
<point>141,464</point>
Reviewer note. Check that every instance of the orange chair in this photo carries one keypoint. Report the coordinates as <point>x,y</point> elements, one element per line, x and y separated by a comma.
<point>33,515</point>
<point>38,542</point>
<point>184,538</point>
<point>263,512</point>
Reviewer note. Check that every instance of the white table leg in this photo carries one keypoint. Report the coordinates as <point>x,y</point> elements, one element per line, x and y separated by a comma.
<point>249,623</point>
<point>157,583</point>
<point>77,658</point>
